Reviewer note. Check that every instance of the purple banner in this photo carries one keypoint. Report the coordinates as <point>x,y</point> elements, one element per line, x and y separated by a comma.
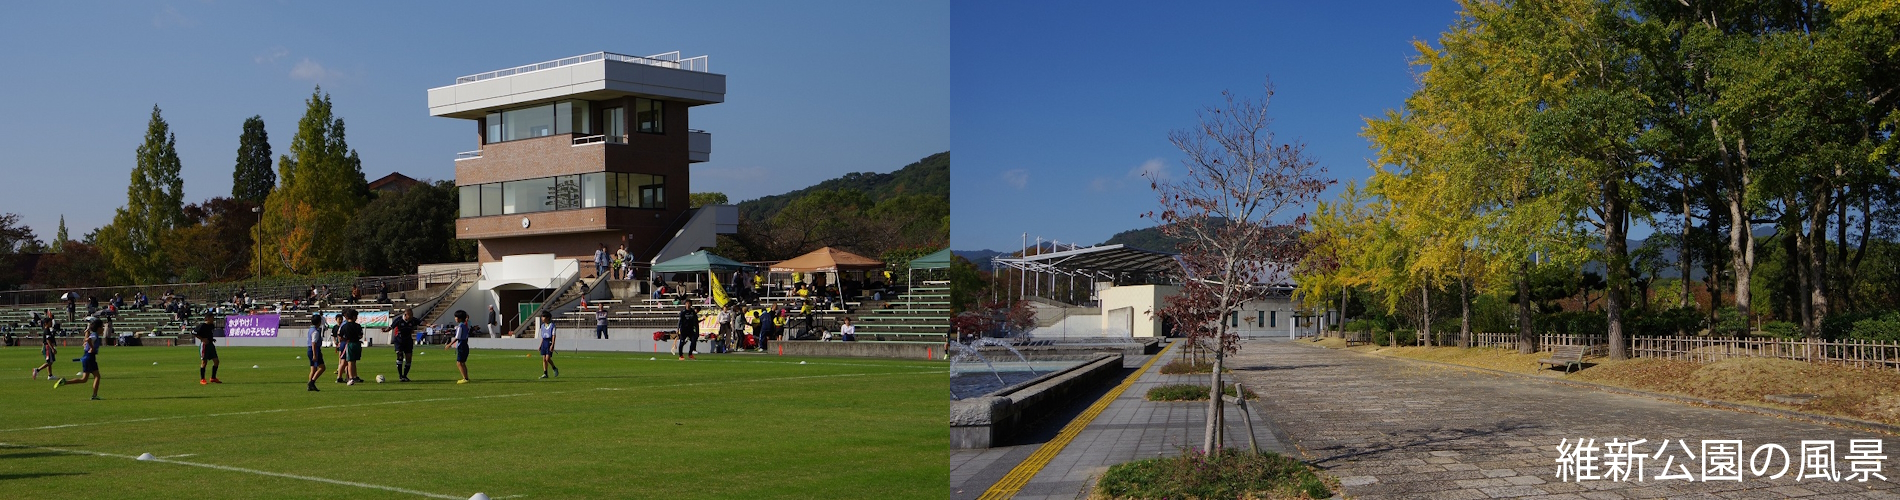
<point>262,325</point>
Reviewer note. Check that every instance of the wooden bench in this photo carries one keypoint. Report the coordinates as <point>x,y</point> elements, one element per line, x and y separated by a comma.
<point>1356,338</point>
<point>1568,356</point>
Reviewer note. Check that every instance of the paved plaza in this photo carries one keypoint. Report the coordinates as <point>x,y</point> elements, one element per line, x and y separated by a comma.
<point>1392,428</point>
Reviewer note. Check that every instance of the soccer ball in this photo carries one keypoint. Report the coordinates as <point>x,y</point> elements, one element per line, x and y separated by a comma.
<point>379,379</point>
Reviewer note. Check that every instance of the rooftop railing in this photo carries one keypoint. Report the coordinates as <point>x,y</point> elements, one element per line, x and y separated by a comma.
<point>666,60</point>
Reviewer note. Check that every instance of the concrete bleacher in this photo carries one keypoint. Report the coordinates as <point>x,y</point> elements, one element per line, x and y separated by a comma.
<point>922,314</point>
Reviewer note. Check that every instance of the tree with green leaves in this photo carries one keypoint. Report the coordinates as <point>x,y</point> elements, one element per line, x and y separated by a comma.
<point>702,199</point>
<point>320,188</point>
<point>154,206</point>
<point>398,232</point>
<point>253,178</point>
<point>59,238</point>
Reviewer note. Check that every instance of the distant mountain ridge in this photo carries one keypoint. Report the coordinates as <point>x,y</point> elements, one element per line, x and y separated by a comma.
<point>928,176</point>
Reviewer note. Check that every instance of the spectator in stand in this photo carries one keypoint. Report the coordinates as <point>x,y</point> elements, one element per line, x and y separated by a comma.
<point>847,331</point>
<point>142,301</point>
<point>356,293</point>
<point>382,293</point>
<point>659,286</point>
<point>600,261</point>
<point>626,262</point>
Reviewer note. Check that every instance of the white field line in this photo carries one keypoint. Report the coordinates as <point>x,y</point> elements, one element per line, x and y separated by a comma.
<point>244,470</point>
<point>464,398</point>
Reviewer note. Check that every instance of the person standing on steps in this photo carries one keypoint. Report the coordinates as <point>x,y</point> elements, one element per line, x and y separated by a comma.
<point>207,350</point>
<point>546,331</point>
<point>315,350</point>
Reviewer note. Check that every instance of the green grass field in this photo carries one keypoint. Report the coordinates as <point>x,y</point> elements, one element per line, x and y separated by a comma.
<point>614,425</point>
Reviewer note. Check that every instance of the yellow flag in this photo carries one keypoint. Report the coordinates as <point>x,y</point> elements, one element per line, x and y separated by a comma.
<point>718,292</point>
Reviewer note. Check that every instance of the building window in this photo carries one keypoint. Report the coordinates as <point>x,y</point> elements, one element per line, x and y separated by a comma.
<point>564,117</point>
<point>470,198</point>
<point>1261,319</point>
<point>566,192</point>
<point>648,116</point>
<point>614,123</point>
<point>1273,319</point>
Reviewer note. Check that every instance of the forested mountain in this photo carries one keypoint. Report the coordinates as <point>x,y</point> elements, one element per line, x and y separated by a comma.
<point>928,176</point>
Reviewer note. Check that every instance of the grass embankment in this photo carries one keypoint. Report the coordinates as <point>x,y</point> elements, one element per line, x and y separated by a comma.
<point>1228,473</point>
<point>1860,393</point>
<point>613,425</point>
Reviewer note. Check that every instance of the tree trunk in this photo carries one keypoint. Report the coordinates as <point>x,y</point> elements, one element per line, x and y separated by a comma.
<point>1212,436</point>
<point>1817,264</point>
<point>1464,314</point>
<point>1682,254</point>
<point>1525,343</point>
<point>1616,261</point>
<point>1425,300</point>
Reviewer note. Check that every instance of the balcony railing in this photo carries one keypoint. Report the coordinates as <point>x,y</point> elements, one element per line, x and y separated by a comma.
<point>666,60</point>
<point>468,155</point>
<point>597,139</point>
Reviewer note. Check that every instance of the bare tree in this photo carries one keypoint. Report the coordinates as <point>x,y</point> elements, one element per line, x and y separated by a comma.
<point>1227,208</point>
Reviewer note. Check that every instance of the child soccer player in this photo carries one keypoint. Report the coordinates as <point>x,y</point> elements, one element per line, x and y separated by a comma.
<point>546,330</point>
<point>316,349</point>
<point>461,344</point>
<point>207,351</point>
<point>89,363</point>
<point>352,334</point>
<point>336,339</point>
<point>405,342</point>
<point>47,350</point>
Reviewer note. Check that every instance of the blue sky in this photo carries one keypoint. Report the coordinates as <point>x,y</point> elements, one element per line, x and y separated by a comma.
<point>1058,106</point>
<point>814,90</point>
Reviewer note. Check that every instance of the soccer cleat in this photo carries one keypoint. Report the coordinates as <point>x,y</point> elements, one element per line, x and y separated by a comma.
<point>313,386</point>
<point>404,379</point>
<point>215,380</point>
<point>544,375</point>
<point>682,358</point>
<point>694,358</point>
<point>95,398</point>
<point>351,382</point>
<point>557,372</point>
<point>61,382</point>
<point>202,382</point>
<point>462,381</point>
<point>36,373</point>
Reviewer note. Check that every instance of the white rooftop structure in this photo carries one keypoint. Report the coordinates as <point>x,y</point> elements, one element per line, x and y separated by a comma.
<point>600,75</point>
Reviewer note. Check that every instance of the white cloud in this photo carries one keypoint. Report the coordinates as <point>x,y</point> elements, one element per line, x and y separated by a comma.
<point>1017,178</point>
<point>1154,169</point>
<point>271,55</point>
<point>170,18</point>
<point>310,70</point>
<point>1104,184</point>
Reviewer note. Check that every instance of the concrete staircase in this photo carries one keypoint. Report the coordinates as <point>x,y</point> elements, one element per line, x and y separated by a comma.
<point>923,315</point>
<point>442,307</point>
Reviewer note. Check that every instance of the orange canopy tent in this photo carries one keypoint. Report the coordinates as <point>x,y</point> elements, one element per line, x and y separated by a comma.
<point>826,260</point>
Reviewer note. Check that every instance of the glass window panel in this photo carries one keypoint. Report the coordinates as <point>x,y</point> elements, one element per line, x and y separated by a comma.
<point>510,197</point>
<point>567,192</point>
<point>527,122</point>
<point>491,199</point>
<point>648,116</point>
<point>494,128</point>
<point>613,122</point>
<point>563,117</point>
<point>582,120</point>
<point>623,187</point>
<point>470,198</point>
<point>593,190</point>
<point>543,191</point>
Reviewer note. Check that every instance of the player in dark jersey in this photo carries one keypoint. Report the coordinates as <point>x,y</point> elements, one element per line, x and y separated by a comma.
<point>460,343</point>
<point>89,363</point>
<point>352,334</point>
<point>207,350</point>
<point>49,351</point>
<point>405,342</point>
<point>315,351</point>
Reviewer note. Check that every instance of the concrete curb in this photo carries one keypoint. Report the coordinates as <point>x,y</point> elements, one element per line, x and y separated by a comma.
<point>1773,412</point>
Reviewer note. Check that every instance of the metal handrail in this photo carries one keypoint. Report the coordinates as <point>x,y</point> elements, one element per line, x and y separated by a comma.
<point>596,139</point>
<point>666,60</point>
<point>556,293</point>
<point>468,155</point>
